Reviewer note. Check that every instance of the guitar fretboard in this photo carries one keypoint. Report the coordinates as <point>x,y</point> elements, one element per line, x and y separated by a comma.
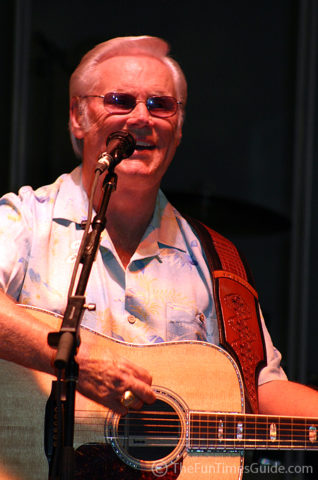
<point>210,432</point>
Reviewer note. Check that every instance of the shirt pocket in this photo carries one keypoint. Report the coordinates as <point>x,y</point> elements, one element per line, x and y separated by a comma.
<point>185,324</point>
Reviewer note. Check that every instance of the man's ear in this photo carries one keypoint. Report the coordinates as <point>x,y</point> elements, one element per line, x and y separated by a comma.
<point>76,117</point>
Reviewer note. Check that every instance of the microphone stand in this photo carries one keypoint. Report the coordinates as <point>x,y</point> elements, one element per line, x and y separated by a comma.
<point>59,449</point>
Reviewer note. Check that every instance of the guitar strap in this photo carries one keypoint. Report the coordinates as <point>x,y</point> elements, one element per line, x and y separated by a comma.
<point>237,308</point>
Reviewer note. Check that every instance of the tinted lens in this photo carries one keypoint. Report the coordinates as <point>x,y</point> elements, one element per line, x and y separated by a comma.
<point>119,102</point>
<point>162,106</point>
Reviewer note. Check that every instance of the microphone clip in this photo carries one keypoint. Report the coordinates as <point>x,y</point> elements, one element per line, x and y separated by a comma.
<point>103,163</point>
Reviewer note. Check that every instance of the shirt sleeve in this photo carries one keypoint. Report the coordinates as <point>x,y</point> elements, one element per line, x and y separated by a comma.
<point>15,240</point>
<point>273,369</point>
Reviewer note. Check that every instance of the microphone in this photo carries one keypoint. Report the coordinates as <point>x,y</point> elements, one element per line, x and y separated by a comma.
<point>119,145</point>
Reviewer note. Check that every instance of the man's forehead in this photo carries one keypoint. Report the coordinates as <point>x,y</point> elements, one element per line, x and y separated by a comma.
<point>136,70</point>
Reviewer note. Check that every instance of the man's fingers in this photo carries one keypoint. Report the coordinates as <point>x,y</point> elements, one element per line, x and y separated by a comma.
<point>136,371</point>
<point>142,391</point>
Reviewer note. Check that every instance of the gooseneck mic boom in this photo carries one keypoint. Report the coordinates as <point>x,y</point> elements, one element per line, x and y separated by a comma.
<point>119,145</point>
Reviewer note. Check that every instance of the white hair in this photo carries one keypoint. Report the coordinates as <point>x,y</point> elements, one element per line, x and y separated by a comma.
<point>85,76</point>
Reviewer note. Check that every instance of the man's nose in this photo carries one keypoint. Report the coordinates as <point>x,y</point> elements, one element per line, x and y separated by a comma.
<point>140,115</point>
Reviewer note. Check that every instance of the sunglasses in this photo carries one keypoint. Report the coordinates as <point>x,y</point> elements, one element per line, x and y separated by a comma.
<point>123,103</point>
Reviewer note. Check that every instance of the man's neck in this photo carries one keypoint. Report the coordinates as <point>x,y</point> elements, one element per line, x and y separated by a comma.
<point>129,211</point>
<point>128,216</point>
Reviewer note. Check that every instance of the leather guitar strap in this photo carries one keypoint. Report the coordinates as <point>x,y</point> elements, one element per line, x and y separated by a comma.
<point>237,308</point>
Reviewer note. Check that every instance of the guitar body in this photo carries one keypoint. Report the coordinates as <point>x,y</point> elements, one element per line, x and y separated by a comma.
<point>187,377</point>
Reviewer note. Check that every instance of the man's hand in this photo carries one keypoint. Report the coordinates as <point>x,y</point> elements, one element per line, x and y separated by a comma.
<point>104,377</point>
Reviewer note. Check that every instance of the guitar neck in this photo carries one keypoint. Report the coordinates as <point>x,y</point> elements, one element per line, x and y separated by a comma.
<point>235,431</point>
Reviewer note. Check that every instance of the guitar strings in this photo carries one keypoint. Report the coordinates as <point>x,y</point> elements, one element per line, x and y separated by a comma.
<point>226,418</point>
<point>208,428</point>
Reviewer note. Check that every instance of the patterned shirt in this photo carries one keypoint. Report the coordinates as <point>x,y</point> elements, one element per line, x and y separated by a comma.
<point>164,294</point>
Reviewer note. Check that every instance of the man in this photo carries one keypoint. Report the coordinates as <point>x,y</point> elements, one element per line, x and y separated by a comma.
<point>150,281</point>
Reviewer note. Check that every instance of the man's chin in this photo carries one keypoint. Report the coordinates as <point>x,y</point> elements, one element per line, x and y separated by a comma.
<point>136,164</point>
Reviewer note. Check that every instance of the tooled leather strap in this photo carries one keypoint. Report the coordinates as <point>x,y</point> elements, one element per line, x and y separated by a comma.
<point>237,308</point>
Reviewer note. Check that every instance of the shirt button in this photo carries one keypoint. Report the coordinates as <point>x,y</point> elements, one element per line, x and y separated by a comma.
<point>131,319</point>
<point>201,317</point>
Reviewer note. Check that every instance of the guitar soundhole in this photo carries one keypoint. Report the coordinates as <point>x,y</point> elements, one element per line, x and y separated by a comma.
<point>150,434</point>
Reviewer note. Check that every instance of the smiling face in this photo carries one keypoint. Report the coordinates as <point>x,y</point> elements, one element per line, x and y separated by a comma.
<point>156,138</point>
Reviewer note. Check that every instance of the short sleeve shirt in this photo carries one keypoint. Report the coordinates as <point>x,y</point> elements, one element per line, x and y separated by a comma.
<point>164,294</point>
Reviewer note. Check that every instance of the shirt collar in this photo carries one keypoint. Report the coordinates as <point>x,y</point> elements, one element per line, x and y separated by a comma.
<point>163,231</point>
<point>72,201</point>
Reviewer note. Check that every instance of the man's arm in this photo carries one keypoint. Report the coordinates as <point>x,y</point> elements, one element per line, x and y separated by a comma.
<point>103,378</point>
<point>281,397</point>
<point>23,339</point>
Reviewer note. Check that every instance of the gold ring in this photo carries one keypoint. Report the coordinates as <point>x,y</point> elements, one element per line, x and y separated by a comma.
<point>127,399</point>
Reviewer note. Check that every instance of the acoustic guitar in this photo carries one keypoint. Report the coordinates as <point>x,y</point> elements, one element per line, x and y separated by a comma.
<point>196,430</point>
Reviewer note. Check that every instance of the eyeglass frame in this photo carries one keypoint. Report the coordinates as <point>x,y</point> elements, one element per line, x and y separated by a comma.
<point>177,103</point>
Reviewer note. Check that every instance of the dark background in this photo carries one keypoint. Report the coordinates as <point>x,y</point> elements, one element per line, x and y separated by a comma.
<point>247,163</point>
